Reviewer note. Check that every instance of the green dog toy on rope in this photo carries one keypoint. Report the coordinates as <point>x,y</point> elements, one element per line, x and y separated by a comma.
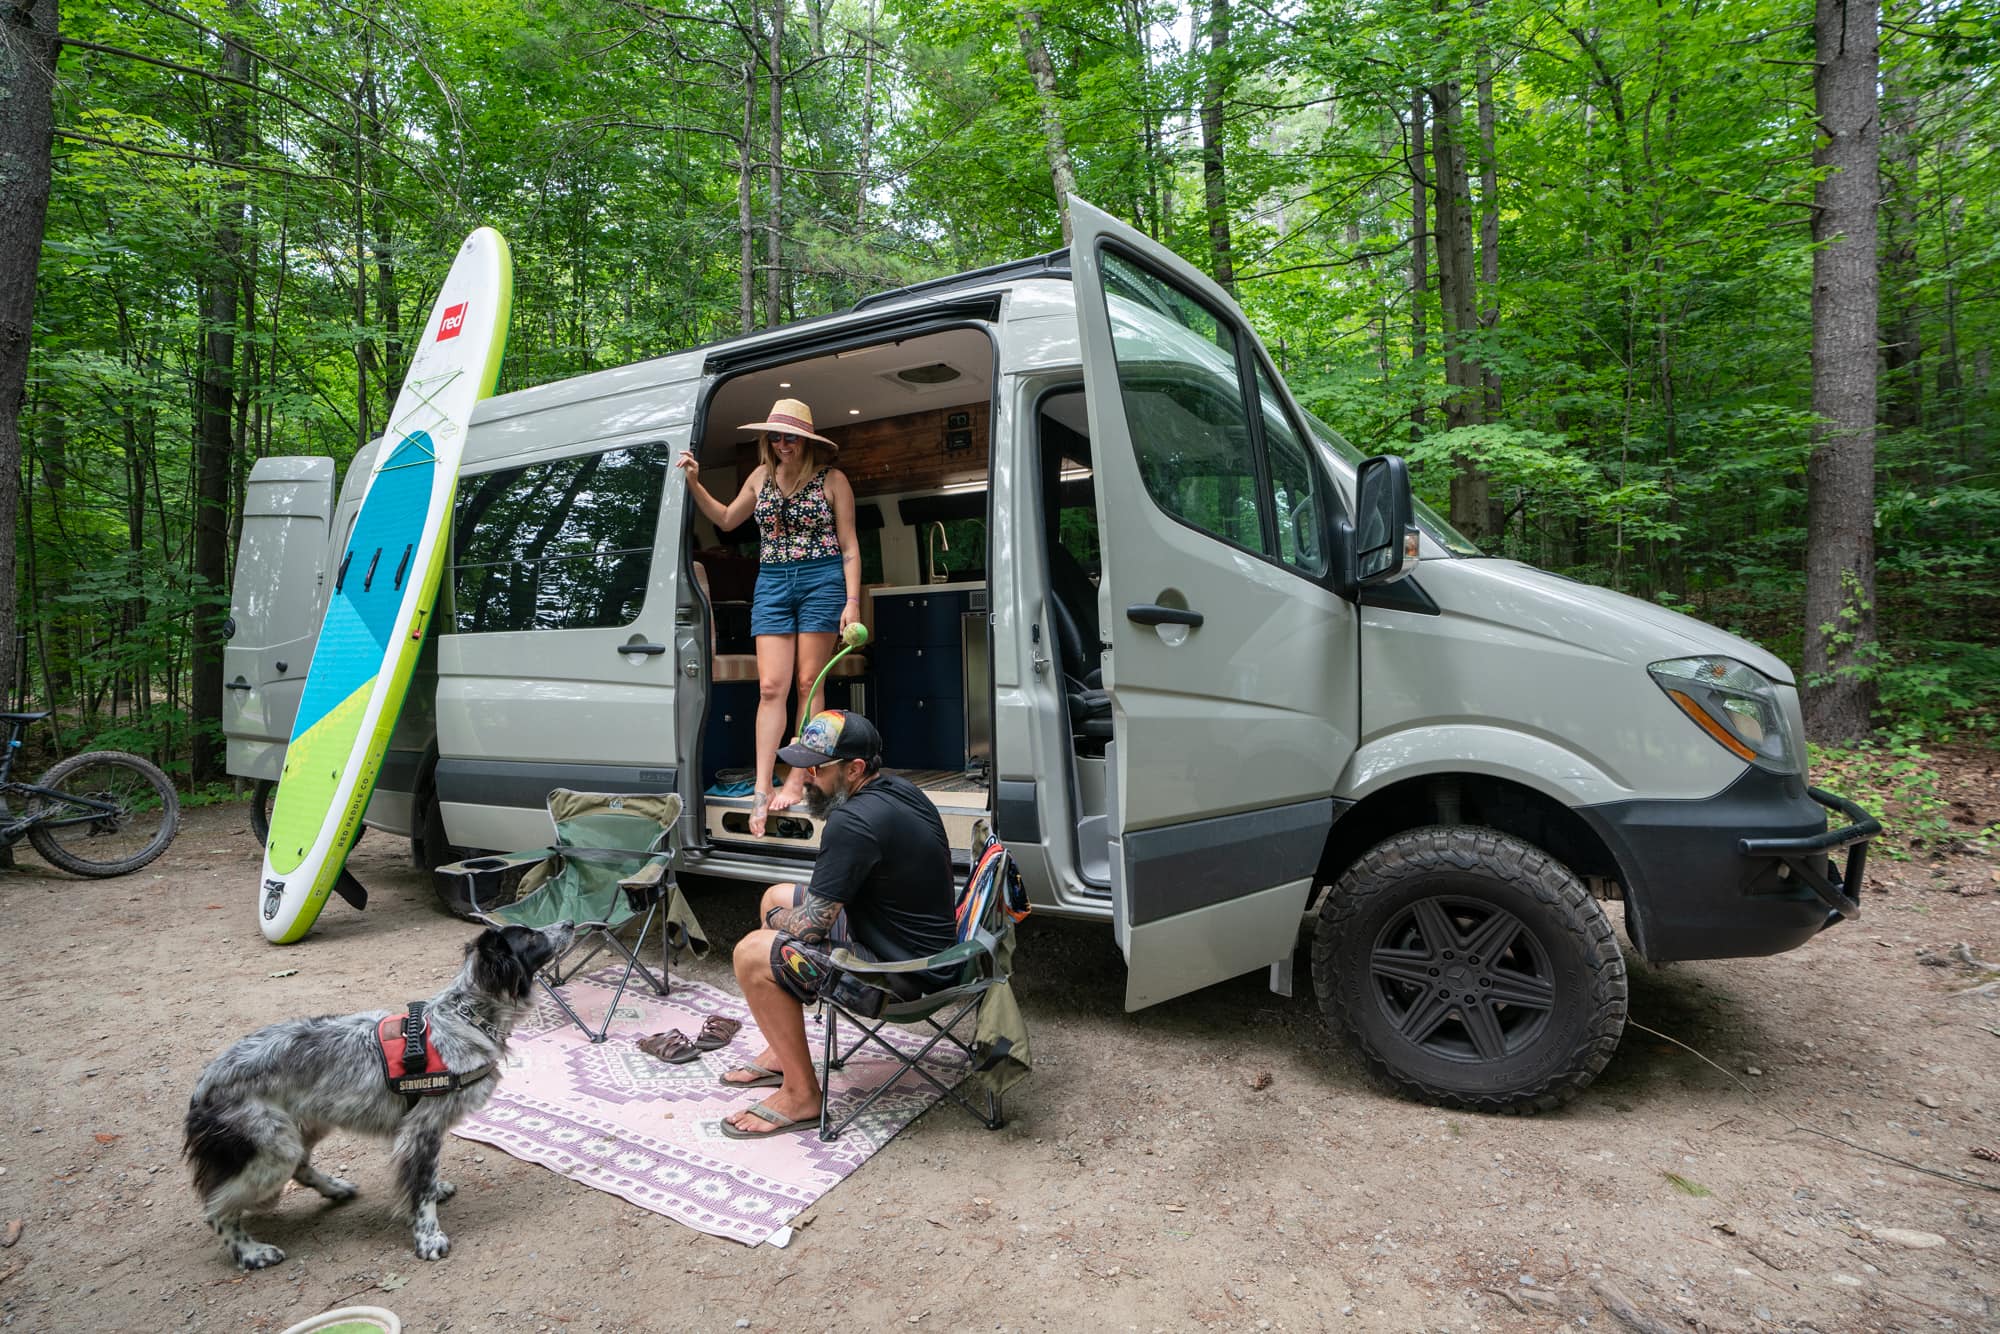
<point>852,638</point>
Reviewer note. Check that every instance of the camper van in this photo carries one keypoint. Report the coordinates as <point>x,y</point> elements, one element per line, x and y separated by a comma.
<point>1207,670</point>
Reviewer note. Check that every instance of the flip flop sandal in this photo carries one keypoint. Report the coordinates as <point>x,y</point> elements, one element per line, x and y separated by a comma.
<point>716,1032</point>
<point>766,1079</point>
<point>778,1121</point>
<point>671,1046</point>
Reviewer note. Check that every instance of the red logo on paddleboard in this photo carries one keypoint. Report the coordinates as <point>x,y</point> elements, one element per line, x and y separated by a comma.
<point>453,321</point>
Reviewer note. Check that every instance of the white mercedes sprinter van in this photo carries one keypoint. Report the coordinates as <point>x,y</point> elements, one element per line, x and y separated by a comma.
<point>1190,653</point>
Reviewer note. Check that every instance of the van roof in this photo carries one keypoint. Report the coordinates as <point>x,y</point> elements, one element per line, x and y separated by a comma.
<point>651,371</point>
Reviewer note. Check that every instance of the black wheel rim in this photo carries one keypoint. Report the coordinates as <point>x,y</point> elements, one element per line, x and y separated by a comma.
<point>1462,980</point>
<point>89,833</point>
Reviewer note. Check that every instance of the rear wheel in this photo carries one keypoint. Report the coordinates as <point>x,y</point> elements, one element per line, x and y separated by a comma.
<point>127,816</point>
<point>1471,970</point>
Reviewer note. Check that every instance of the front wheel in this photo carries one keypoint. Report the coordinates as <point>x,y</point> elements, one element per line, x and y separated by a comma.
<point>1472,970</point>
<point>127,814</point>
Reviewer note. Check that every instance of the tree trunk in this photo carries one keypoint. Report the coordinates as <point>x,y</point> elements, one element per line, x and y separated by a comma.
<point>1214,180</point>
<point>774,271</point>
<point>746,227</point>
<point>1470,489</point>
<point>27,81</point>
<point>1902,383</point>
<point>867,122</point>
<point>215,437</point>
<point>1420,280</point>
<point>1489,229</point>
<point>1062,176</point>
<point>1840,475</point>
<point>386,304</point>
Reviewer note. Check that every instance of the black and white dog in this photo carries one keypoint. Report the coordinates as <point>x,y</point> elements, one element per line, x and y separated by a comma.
<point>262,1105</point>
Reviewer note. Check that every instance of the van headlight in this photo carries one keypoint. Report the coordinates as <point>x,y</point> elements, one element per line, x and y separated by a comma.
<point>1735,704</point>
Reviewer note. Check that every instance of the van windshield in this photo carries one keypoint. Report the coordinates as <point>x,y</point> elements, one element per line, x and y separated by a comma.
<point>1434,524</point>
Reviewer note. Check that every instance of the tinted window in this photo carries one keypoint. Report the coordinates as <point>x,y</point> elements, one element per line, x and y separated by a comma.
<point>564,545</point>
<point>1177,371</point>
<point>1295,485</point>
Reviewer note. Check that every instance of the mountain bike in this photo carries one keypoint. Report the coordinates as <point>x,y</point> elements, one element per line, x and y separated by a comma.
<point>101,813</point>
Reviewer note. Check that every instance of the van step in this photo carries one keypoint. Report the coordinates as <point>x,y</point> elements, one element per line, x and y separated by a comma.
<point>727,820</point>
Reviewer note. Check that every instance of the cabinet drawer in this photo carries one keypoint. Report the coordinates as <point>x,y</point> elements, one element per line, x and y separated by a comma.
<point>923,671</point>
<point>922,733</point>
<point>918,618</point>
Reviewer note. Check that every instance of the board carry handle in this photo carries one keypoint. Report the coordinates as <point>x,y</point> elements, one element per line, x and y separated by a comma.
<point>340,580</point>
<point>403,565</point>
<point>368,581</point>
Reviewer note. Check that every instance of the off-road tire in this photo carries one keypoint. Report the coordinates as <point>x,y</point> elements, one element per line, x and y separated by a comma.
<point>1407,911</point>
<point>66,847</point>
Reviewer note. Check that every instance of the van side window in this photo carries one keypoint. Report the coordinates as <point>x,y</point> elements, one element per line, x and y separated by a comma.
<point>1178,372</point>
<point>563,545</point>
<point>1295,491</point>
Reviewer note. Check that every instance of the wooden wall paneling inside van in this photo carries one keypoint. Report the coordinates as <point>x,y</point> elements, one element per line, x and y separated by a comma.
<point>900,454</point>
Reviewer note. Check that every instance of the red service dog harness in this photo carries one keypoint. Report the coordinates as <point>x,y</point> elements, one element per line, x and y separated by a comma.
<point>410,1060</point>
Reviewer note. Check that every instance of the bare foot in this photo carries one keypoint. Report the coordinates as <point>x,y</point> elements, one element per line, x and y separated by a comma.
<point>760,812</point>
<point>791,794</point>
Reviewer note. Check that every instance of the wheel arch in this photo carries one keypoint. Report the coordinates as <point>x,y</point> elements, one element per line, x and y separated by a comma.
<point>1453,798</point>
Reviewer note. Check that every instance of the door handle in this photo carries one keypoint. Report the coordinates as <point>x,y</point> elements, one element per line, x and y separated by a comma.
<point>238,684</point>
<point>649,650</point>
<point>1151,613</point>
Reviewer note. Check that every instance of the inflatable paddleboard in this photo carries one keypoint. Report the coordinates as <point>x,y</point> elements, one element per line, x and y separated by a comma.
<point>384,586</point>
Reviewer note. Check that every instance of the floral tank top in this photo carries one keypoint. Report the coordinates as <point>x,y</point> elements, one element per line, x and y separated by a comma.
<point>797,527</point>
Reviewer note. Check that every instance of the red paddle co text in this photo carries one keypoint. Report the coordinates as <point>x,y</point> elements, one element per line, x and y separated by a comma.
<point>453,321</point>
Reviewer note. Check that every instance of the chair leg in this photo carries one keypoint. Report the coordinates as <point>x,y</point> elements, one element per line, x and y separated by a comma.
<point>827,1131</point>
<point>631,964</point>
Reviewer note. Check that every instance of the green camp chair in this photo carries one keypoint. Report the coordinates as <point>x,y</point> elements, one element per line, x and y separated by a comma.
<point>989,905</point>
<point>611,865</point>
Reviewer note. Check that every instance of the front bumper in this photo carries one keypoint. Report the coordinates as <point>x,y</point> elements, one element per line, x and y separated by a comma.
<point>1749,871</point>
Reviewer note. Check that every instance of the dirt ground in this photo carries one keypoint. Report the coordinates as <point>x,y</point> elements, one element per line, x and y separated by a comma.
<point>1213,1163</point>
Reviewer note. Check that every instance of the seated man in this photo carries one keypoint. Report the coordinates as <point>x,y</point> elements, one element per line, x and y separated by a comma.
<point>882,889</point>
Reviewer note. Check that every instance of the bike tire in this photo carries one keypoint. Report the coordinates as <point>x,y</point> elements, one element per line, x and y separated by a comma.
<point>148,809</point>
<point>263,796</point>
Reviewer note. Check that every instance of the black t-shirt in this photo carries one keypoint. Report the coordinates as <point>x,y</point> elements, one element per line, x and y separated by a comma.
<point>884,856</point>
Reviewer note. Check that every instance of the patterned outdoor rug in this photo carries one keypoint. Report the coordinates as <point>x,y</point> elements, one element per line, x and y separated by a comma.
<point>616,1119</point>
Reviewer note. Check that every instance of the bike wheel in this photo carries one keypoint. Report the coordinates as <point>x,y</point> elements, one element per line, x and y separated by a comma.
<point>263,796</point>
<point>143,819</point>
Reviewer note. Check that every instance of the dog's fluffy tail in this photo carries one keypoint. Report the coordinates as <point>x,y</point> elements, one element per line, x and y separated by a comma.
<point>217,1149</point>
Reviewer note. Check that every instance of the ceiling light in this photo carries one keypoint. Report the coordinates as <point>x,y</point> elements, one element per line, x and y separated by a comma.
<point>854,412</point>
<point>784,384</point>
<point>1075,474</point>
<point>957,488</point>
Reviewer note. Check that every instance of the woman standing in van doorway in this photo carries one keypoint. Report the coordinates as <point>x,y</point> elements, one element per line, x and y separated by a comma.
<point>808,560</point>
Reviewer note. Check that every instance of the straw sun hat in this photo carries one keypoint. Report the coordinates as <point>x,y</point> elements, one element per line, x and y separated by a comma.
<point>789,417</point>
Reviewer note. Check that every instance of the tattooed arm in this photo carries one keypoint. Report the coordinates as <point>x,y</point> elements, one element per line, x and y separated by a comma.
<point>811,921</point>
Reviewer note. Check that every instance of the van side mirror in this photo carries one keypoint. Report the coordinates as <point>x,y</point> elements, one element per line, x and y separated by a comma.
<point>1382,545</point>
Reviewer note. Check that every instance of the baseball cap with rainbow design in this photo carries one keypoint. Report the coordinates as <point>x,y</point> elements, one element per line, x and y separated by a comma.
<point>830,735</point>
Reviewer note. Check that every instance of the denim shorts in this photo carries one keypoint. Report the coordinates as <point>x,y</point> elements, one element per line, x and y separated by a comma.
<point>799,597</point>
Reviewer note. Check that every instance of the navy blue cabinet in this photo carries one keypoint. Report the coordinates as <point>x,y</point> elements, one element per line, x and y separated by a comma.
<point>919,670</point>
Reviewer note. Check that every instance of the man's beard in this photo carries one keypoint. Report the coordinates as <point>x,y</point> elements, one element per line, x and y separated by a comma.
<point>819,804</point>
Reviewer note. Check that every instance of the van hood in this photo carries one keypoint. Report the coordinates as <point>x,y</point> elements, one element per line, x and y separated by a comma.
<point>1586,616</point>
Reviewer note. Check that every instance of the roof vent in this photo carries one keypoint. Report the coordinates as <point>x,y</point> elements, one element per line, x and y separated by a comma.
<point>935,373</point>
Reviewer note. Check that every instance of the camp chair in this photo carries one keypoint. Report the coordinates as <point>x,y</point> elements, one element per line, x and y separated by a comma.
<point>989,905</point>
<point>611,864</point>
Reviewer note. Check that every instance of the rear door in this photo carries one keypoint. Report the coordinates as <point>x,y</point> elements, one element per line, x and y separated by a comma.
<point>560,662</point>
<point>1230,661</point>
<point>275,602</point>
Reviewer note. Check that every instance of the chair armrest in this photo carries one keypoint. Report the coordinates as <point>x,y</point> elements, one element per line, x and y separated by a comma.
<point>644,886</point>
<point>959,953</point>
<point>490,878</point>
